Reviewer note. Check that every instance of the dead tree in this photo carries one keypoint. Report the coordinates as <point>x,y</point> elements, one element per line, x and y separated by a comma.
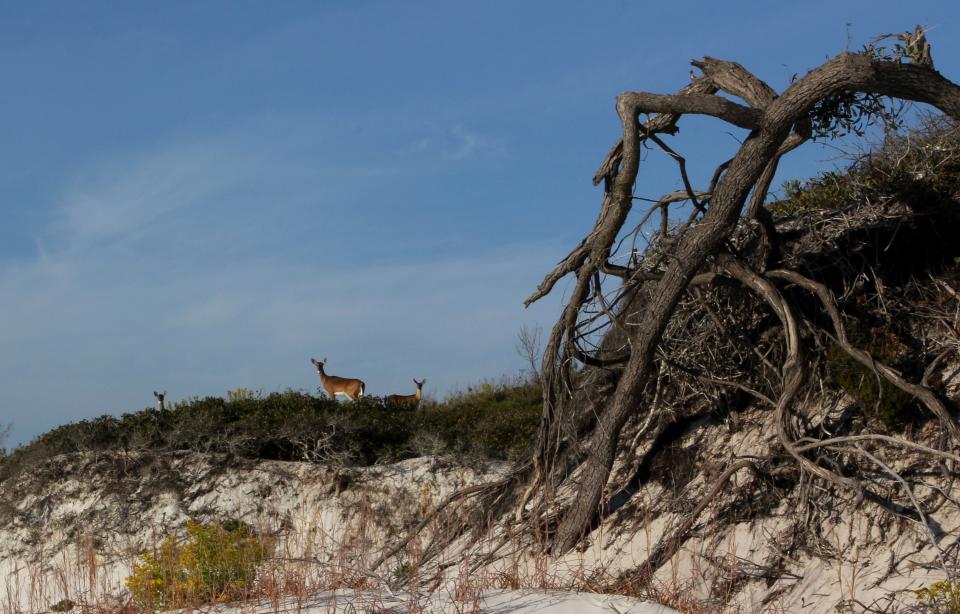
<point>647,315</point>
<point>529,346</point>
<point>617,334</point>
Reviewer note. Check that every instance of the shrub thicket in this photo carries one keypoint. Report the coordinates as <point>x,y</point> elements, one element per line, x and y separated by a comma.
<point>497,422</point>
<point>494,422</point>
<point>923,163</point>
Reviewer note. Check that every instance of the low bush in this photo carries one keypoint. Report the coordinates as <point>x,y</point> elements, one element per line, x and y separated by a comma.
<point>214,564</point>
<point>497,422</point>
<point>493,421</point>
<point>941,597</point>
<point>919,164</point>
<point>876,397</point>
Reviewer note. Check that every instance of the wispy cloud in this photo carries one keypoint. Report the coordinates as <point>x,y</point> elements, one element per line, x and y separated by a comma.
<point>471,143</point>
<point>455,142</point>
<point>121,200</point>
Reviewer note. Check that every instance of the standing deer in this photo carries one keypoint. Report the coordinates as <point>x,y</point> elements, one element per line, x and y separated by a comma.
<point>333,385</point>
<point>159,397</point>
<point>407,399</point>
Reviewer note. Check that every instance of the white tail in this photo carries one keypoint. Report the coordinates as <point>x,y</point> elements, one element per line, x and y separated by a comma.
<point>159,397</point>
<point>407,399</point>
<point>353,389</point>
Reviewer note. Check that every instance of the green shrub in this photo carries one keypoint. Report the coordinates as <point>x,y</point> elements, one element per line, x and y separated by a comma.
<point>922,164</point>
<point>243,394</point>
<point>875,396</point>
<point>402,573</point>
<point>216,563</point>
<point>830,190</point>
<point>941,598</point>
<point>64,605</point>
<point>497,422</point>
<point>493,421</point>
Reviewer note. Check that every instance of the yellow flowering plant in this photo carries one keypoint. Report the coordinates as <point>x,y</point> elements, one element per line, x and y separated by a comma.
<point>941,598</point>
<point>213,564</point>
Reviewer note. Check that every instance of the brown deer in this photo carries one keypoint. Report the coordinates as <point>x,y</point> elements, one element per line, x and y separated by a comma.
<point>159,397</point>
<point>351,388</point>
<point>411,400</point>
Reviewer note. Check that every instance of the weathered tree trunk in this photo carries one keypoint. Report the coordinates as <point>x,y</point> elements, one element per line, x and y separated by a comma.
<point>776,124</point>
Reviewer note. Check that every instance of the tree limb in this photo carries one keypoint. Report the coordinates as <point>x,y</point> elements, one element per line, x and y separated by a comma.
<point>770,133</point>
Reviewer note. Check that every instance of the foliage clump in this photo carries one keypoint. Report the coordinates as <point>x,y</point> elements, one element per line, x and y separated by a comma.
<point>918,164</point>
<point>64,605</point>
<point>214,564</point>
<point>493,421</point>
<point>825,191</point>
<point>941,597</point>
<point>875,395</point>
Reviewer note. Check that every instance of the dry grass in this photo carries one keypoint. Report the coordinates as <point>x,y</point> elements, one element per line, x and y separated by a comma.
<point>307,562</point>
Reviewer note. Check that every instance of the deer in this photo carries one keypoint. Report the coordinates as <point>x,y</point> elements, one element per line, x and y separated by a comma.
<point>411,400</point>
<point>159,397</point>
<point>351,388</point>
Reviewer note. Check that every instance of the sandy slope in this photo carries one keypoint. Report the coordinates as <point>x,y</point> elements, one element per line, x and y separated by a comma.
<point>494,602</point>
<point>73,526</point>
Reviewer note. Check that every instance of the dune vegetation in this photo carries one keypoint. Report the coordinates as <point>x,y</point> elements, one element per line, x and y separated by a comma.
<point>493,421</point>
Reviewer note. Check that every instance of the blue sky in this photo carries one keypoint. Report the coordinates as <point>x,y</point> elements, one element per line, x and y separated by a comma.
<point>198,196</point>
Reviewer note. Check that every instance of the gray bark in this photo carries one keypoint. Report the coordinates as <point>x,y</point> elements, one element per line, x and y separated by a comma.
<point>771,120</point>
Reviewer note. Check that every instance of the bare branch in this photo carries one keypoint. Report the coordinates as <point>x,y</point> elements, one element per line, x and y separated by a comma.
<point>876,437</point>
<point>924,394</point>
<point>793,368</point>
<point>737,80</point>
<point>777,125</point>
<point>916,506</point>
<point>695,104</point>
<point>663,123</point>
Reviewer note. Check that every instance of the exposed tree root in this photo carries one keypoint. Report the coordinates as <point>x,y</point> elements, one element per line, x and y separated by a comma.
<point>669,544</point>
<point>651,289</point>
<point>922,393</point>
<point>703,303</point>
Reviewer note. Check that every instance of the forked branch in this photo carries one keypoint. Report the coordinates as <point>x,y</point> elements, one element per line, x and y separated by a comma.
<point>776,125</point>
